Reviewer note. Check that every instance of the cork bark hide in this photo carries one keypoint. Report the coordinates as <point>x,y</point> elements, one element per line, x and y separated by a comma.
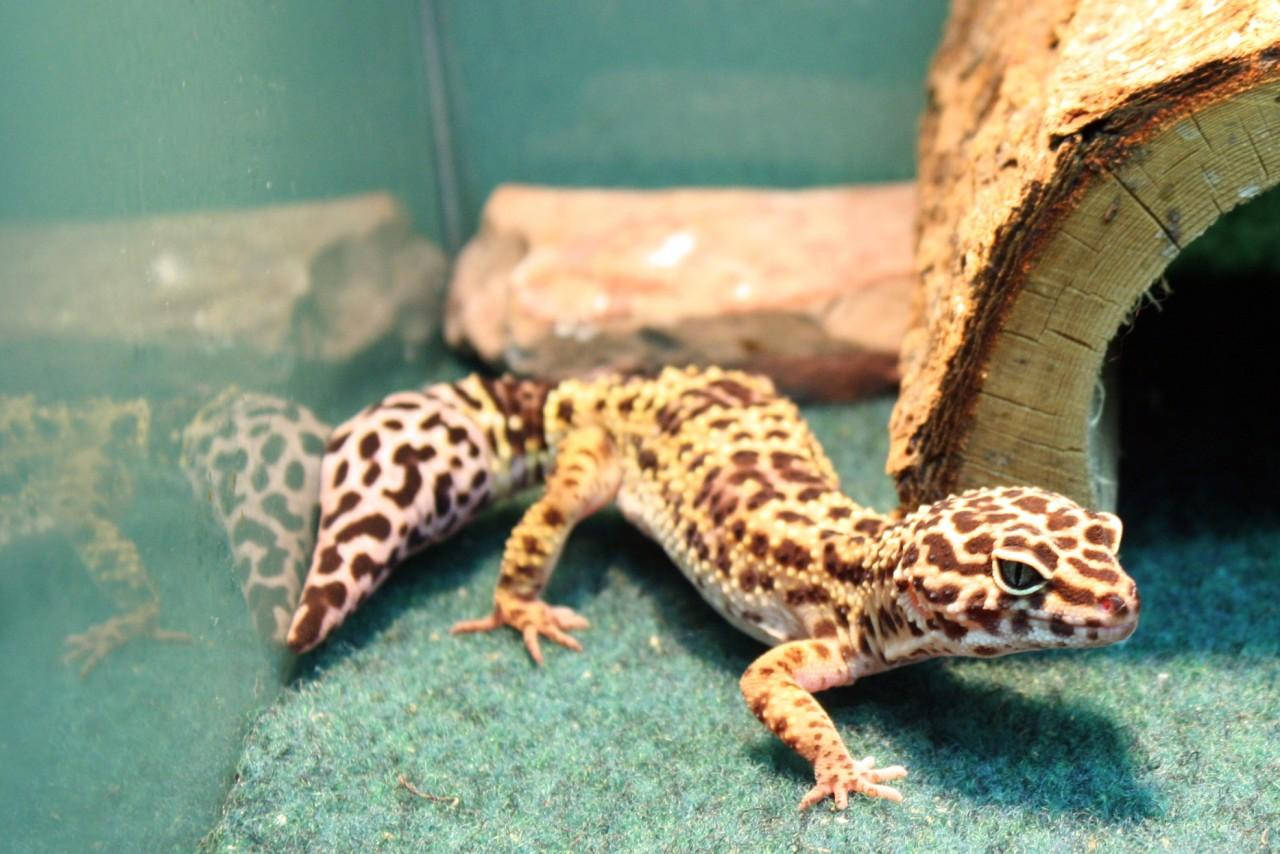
<point>1069,150</point>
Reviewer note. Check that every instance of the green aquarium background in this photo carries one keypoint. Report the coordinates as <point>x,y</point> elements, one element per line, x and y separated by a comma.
<point>123,119</point>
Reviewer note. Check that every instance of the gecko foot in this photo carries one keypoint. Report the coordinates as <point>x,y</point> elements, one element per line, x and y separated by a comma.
<point>90,647</point>
<point>531,619</point>
<point>838,777</point>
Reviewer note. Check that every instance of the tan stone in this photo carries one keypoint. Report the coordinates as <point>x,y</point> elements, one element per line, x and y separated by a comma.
<point>811,286</point>
<point>315,280</point>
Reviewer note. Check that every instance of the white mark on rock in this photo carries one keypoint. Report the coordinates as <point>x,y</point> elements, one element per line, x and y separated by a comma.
<point>673,250</point>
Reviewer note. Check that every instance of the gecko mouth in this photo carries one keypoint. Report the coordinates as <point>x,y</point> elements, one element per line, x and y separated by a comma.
<point>1089,635</point>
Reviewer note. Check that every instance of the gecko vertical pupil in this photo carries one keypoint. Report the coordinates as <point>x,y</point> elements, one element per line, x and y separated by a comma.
<point>1018,577</point>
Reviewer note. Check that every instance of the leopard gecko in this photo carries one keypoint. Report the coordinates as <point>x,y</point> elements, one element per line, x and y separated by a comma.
<point>725,474</point>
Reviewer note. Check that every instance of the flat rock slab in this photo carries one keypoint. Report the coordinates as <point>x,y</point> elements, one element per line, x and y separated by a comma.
<point>810,286</point>
<point>316,280</point>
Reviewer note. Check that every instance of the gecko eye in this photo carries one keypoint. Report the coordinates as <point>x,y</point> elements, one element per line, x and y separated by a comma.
<point>1017,578</point>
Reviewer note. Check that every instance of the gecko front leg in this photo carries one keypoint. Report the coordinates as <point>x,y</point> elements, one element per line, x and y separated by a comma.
<point>586,477</point>
<point>777,687</point>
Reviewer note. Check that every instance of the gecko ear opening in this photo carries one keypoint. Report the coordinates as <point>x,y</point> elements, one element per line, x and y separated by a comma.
<point>1017,578</point>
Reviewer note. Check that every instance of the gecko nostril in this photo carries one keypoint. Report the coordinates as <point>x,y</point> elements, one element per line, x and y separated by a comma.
<point>1113,605</point>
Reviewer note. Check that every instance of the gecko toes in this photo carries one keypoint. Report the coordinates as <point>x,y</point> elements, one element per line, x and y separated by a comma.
<point>862,777</point>
<point>533,620</point>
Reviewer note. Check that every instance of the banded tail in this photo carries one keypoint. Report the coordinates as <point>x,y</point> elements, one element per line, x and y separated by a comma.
<point>409,472</point>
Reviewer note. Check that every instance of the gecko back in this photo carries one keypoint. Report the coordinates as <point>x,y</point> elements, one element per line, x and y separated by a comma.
<point>408,472</point>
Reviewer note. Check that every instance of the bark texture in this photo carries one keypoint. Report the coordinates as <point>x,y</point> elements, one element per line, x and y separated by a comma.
<point>1069,150</point>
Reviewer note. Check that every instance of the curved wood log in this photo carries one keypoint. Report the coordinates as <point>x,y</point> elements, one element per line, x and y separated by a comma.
<point>1069,151</point>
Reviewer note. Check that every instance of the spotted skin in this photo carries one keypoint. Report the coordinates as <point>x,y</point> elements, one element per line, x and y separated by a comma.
<point>256,459</point>
<point>728,478</point>
<point>69,468</point>
<point>408,472</point>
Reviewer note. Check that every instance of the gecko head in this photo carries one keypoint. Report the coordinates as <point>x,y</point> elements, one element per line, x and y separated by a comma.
<point>1000,570</point>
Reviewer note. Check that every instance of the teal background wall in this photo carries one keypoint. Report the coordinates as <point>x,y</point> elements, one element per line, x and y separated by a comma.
<point>142,106</point>
<point>702,92</point>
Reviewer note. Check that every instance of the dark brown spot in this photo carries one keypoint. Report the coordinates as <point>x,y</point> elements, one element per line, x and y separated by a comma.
<point>807,596</point>
<point>1099,535</point>
<point>1106,576</point>
<point>564,410</point>
<point>553,517</point>
<point>950,628</point>
<point>943,556</point>
<point>334,595</point>
<point>870,527</point>
<point>306,630</point>
<point>330,561</point>
<point>989,620</point>
<point>824,629</point>
<point>374,525</point>
<point>442,494</point>
<point>1072,594</point>
<point>1047,555</point>
<point>340,474</point>
<point>369,445</point>
<point>1032,504</point>
<point>371,474</point>
<point>1060,628</point>
<point>734,389</point>
<point>944,595</point>
<point>982,544</point>
<point>363,565</point>
<point>345,503</point>
<point>1020,623</point>
<point>1062,520</point>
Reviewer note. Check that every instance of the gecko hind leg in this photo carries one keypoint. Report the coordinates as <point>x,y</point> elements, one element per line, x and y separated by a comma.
<point>113,562</point>
<point>585,478</point>
<point>95,643</point>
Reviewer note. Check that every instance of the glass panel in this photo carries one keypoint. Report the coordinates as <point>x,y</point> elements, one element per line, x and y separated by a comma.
<point>173,278</point>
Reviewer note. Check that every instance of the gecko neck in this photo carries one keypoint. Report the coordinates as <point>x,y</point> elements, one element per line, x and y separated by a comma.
<point>885,623</point>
